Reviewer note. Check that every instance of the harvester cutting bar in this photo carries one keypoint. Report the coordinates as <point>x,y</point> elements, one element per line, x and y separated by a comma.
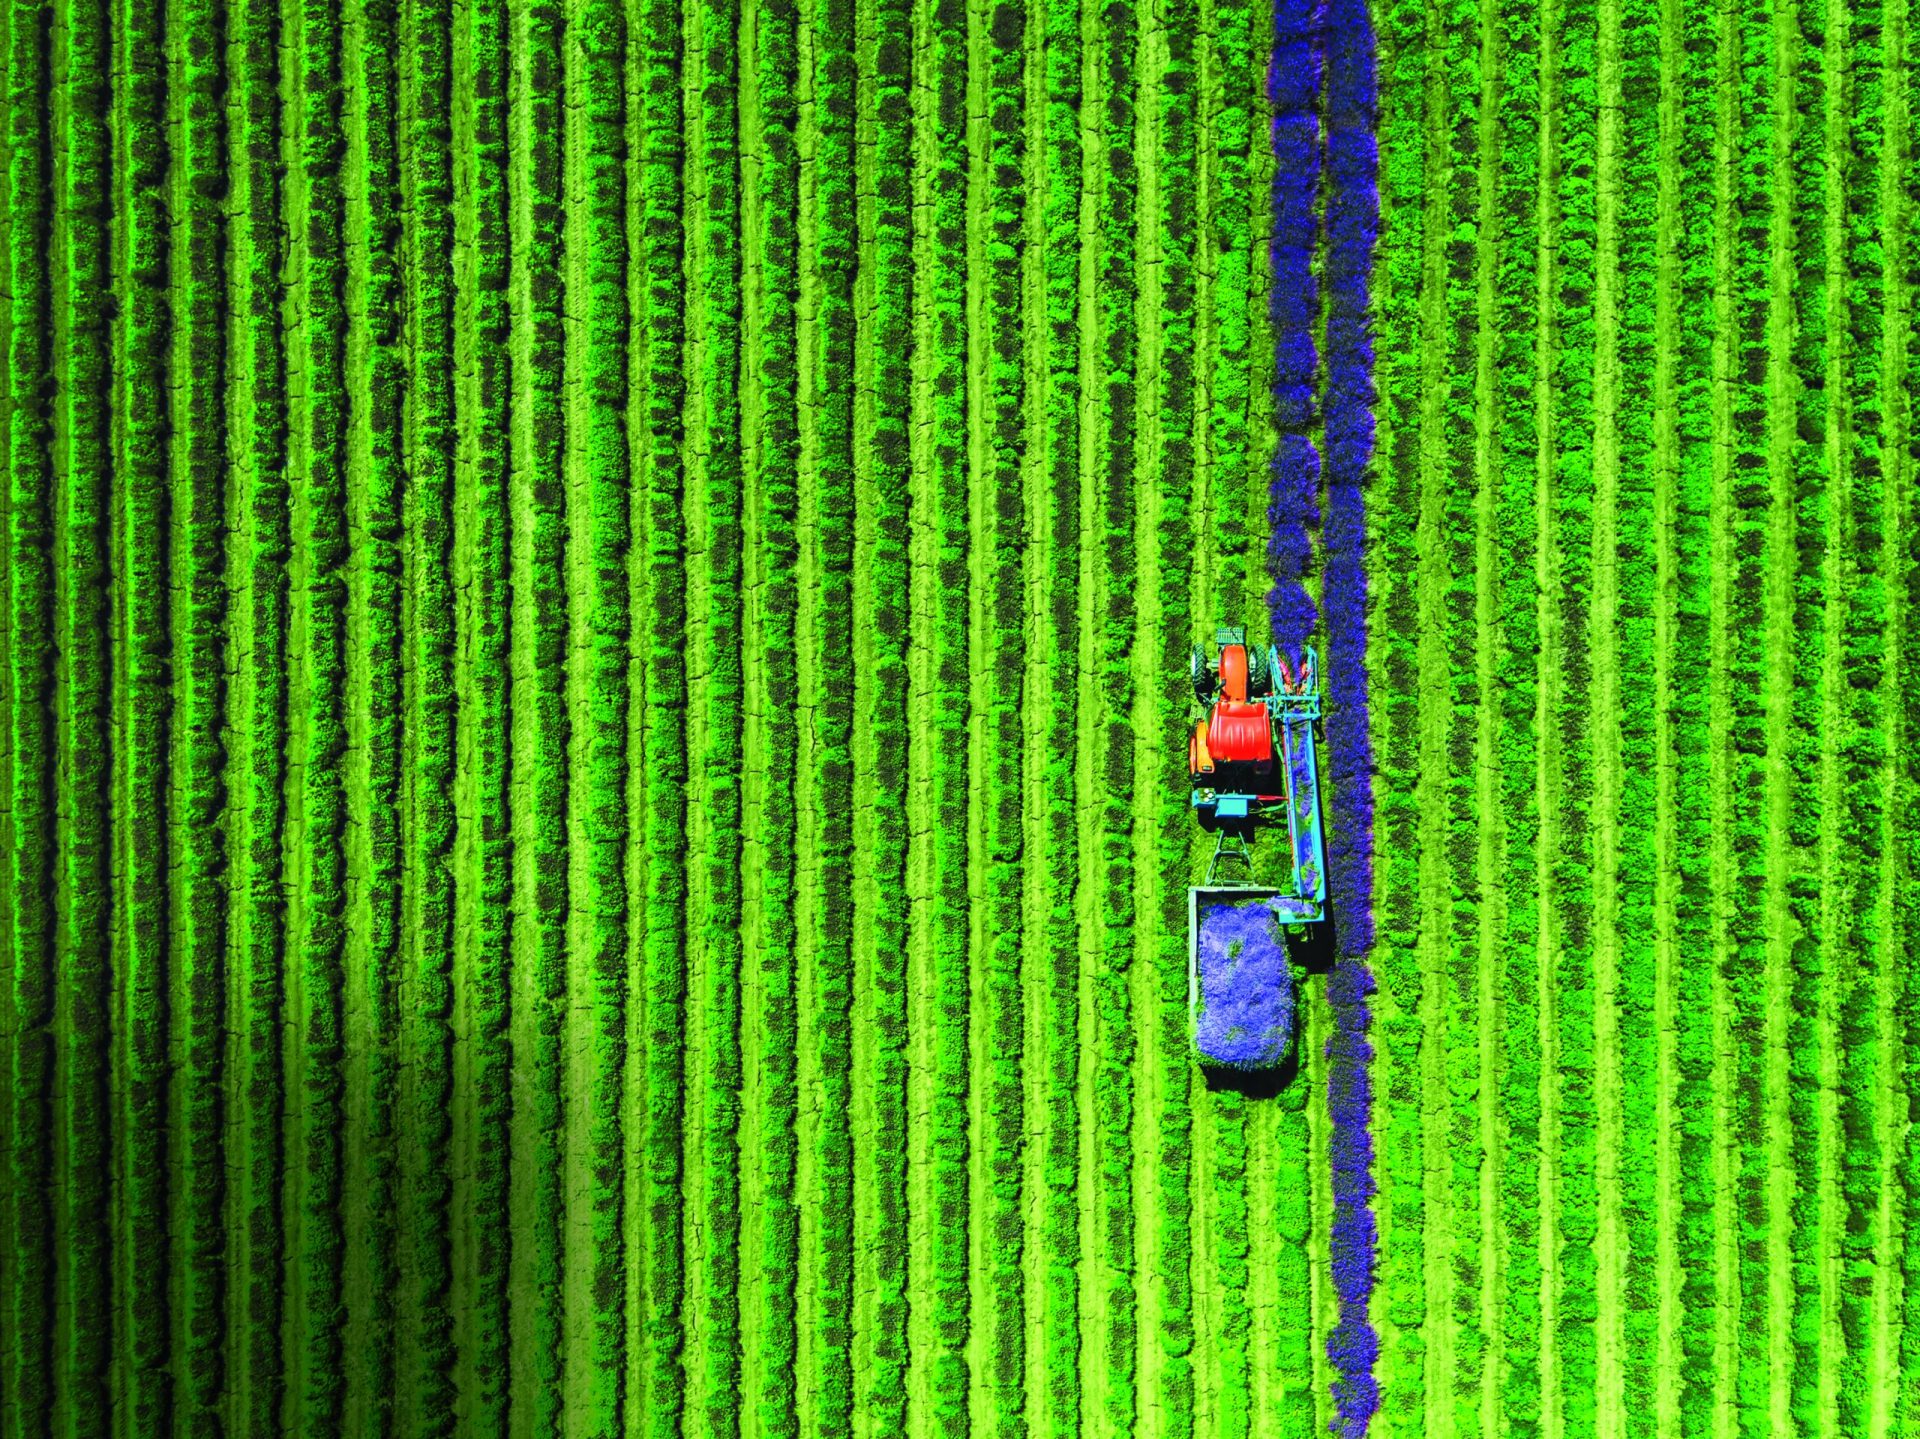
<point>1303,810</point>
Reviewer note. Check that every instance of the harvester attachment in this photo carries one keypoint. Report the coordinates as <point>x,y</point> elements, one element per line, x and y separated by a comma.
<point>1252,764</point>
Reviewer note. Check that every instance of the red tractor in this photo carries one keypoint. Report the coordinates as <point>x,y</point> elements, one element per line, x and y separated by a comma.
<point>1258,710</point>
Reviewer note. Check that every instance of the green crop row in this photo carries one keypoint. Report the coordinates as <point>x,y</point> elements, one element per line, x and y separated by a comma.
<point>1686,692</point>
<point>319,1259</point>
<point>31,640</point>
<point>1002,244</point>
<point>942,41</point>
<point>1742,947</point>
<point>1516,441</point>
<point>1058,440</point>
<point>1232,198</point>
<point>889,62</point>
<point>1401,1287</point>
<point>260,253</point>
<point>717,48</point>
<point>1234,201</point>
<point>1453,460</point>
<point>426,1388</point>
<point>1809,484</point>
<point>1292,1222</point>
<point>1116,407</point>
<point>831,517</point>
<point>1635,861</point>
<point>144,471</point>
<point>1571,369</point>
<point>1228,1214</point>
<point>1903,256</point>
<point>201,992</point>
<point>1904,252</point>
<point>1863,752</point>
<point>775,66</point>
<point>667,768</point>
<point>1904,422</point>
<point>598,42</point>
<point>85,768</point>
<point>485,1332</point>
<point>379,503</point>
<point>1175,155</point>
<point>539,1102</point>
<point>430,1316</point>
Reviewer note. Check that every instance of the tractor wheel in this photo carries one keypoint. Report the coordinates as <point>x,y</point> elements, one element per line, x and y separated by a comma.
<point>1259,673</point>
<point>1204,679</point>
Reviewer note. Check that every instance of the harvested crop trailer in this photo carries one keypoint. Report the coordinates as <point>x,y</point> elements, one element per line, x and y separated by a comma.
<point>1251,760</point>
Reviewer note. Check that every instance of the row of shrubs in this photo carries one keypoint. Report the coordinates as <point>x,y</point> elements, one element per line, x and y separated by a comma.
<point>456,352</point>
<point>1773,474</point>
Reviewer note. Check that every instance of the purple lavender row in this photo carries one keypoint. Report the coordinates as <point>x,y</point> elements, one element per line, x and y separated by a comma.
<point>1293,88</point>
<point>1353,209</point>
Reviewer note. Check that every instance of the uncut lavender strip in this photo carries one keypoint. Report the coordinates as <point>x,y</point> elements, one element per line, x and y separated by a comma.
<point>1293,86</point>
<point>1352,1346</point>
<point>1352,218</point>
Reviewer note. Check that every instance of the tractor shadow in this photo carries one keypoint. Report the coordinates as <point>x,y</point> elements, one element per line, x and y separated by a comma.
<point>1312,948</point>
<point>1254,1083</point>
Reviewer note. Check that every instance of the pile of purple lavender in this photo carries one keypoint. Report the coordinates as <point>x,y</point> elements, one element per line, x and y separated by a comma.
<point>1244,1008</point>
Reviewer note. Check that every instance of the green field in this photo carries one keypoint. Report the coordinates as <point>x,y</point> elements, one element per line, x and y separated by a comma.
<point>1651,448</point>
<point>592,724</point>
